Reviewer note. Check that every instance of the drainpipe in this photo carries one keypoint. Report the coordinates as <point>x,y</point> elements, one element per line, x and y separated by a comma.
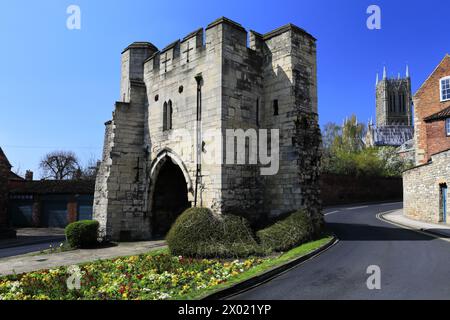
<point>198,79</point>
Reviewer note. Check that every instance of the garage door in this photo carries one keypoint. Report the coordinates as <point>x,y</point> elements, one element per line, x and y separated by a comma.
<point>85,204</point>
<point>85,211</point>
<point>21,213</point>
<point>54,214</point>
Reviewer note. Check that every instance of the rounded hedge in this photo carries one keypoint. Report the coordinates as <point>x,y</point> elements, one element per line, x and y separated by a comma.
<point>287,233</point>
<point>199,233</point>
<point>82,234</point>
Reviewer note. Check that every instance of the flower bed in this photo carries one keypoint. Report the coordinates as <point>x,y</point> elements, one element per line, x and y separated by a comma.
<point>153,276</point>
<point>156,276</point>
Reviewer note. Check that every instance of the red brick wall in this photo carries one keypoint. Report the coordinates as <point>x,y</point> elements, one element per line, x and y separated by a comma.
<point>437,139</point>
<point>427,101</point>
<point>72,212</point>
<point>337,189</point>
<point>37,210</point>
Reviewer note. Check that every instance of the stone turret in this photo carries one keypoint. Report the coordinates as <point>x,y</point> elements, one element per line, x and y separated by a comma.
<point>132,69</point>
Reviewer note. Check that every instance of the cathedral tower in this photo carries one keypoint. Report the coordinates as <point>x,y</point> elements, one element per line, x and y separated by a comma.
<point>394,100</point>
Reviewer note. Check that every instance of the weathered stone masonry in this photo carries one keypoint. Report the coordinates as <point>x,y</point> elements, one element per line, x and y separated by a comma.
<point>422,186</point>
<point>235,87</point>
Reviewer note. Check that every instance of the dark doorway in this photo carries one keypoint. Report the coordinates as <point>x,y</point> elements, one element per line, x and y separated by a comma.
<point>170,198</point>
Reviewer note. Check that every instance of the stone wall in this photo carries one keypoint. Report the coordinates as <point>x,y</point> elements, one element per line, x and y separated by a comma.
<point>242,91</point>
<point>170,76</point>
<point>421,188</point>
<point>290,78</point>
<point>337,189</point>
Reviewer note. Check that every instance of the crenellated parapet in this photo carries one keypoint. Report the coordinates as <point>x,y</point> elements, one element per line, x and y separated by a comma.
<point>201,42</point>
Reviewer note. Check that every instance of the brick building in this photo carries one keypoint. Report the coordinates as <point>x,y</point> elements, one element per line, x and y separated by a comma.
<point>425,186</point>
<point>49,203</point>
<point>41,203</point>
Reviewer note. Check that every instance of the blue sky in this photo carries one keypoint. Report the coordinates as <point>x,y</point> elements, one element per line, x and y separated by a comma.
<point>58,86</point>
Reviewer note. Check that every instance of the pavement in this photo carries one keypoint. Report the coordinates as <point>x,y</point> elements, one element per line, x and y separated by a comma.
<point>28,263</point>
<point>396,216</point>
<point>411,263</point>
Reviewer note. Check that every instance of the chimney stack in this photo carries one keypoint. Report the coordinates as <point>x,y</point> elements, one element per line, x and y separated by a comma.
<point>29,175</point>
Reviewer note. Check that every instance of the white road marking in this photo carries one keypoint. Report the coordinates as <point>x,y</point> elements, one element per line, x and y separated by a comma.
<point>331,212</point>
<point>354,208</point>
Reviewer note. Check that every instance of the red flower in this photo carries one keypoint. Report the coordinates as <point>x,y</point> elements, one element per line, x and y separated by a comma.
<point>122,289</point>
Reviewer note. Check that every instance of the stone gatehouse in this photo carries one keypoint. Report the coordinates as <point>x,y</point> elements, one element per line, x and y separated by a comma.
<point>218,78</point>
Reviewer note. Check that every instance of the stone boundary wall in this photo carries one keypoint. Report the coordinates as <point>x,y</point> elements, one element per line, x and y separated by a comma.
<point>421,188</point>
<point>340,189</point>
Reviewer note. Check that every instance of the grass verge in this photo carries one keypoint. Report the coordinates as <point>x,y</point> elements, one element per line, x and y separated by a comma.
<point>267,265</point>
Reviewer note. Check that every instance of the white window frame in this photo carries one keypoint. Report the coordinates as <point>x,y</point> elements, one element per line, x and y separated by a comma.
<point>447,127</point>
<point>440,89</point>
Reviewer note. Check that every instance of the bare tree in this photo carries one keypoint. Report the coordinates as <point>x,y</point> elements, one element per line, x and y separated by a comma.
<point>89,171</point>
<point>60,165</point>
<point>18,171</point>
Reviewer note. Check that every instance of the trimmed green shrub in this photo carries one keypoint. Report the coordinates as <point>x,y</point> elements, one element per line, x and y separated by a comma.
<point>82,234</point>
<point>199,233</point>
<point>287,233</point>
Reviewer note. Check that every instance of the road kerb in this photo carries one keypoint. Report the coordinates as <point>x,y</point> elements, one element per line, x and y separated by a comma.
<point>266,276</point>
<point>380,216</point>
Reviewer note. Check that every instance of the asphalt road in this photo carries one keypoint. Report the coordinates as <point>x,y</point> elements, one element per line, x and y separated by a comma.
<point>24,249</point>
<point>412,265</point>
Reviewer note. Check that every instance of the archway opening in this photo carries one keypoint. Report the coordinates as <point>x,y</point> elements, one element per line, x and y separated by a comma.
<point>170,198</point>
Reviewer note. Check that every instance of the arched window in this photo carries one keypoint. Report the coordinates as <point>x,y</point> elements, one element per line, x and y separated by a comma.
<point>391,103</point>
<point>402,103</point>
<point>169,115</point>
<point>165,116</point>
<point>275,107</point>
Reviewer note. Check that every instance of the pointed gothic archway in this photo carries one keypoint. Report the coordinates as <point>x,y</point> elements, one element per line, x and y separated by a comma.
<point>170,185</point>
